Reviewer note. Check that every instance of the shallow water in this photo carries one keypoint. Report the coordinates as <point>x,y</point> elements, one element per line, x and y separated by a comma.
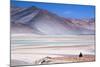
<point>53,40</point>
<point>47,40</point>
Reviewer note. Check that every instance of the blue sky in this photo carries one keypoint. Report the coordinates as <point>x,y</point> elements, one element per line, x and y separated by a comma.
<point>64,10</point>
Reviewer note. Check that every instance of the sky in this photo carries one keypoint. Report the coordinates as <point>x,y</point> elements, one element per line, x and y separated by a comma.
<point>64,10</point>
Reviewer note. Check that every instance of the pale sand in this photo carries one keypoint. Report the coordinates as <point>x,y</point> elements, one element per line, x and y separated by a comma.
<point>58,54</point>
<point>31,54</point>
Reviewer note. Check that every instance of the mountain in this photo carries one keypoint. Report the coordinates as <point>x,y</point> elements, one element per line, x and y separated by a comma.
<point>39,21</point>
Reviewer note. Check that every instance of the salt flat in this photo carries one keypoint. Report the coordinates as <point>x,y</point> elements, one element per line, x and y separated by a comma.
<point>30,48</point>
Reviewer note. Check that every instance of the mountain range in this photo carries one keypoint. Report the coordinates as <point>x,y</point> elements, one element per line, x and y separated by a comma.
<point>38,21</point>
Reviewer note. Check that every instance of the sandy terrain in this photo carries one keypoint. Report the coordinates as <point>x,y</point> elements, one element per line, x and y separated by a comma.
<point>57,54</point>
<point>35,50</point>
